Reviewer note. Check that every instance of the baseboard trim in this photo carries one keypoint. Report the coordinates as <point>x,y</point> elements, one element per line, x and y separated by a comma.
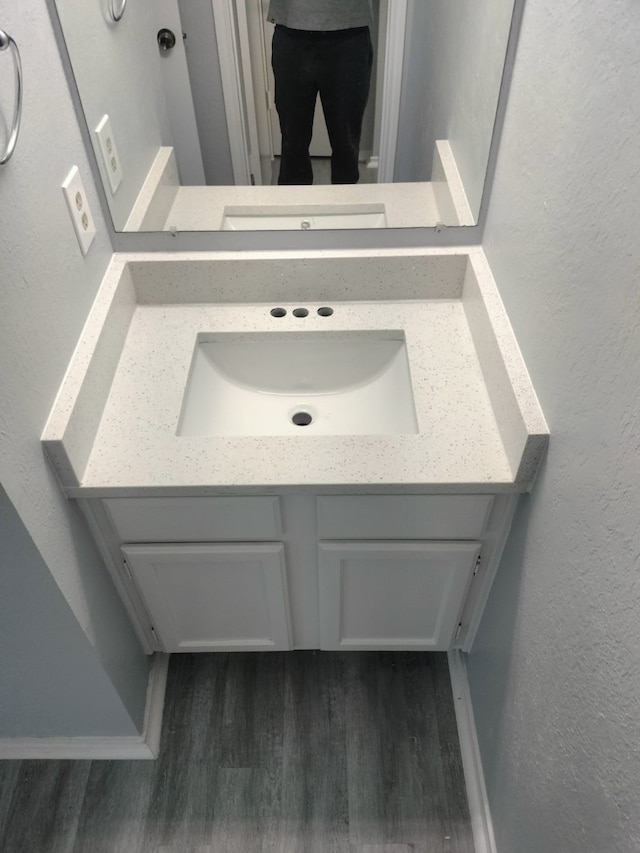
<point>481,822</point>
<point>143,746</point>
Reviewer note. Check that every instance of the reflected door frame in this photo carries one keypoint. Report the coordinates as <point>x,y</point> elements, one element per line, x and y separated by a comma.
<point>239,106</point>
<point>261,73</point>
<point>179,97</point>
<point>239,97</point>
<point>393,22</point>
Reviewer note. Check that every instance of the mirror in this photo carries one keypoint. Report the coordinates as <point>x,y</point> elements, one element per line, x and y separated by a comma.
<point>187,140</point>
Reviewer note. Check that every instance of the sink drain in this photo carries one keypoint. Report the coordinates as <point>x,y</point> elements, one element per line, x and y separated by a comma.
<point>301,419</point>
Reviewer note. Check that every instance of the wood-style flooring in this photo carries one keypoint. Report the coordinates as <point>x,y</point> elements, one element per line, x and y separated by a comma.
<point>322,172</point>
<point>332,752</point>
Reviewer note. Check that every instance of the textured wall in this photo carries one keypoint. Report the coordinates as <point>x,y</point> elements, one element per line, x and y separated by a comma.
<point>555,672</point>
<point>206,86</point>
<point>52,683</point>
<point>117,70</point>
<point>455,55</point>
<point>46,291</point>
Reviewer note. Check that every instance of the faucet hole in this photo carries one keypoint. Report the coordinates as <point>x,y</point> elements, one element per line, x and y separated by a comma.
<point>278,312</point>
<point>300,312</point>
<point>325,312</point>
<point>301,419</point>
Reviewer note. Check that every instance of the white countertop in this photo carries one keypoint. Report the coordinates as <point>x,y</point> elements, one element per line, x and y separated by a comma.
<point>473,437</point>
<point>137,444</point>
<point>202,208</point>
<point>164,204</point>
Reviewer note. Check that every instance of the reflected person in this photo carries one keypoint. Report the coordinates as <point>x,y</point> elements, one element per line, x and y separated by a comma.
<point>321,47</point>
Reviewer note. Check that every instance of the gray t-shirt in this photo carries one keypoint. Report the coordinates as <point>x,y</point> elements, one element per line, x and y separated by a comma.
<point>320,14</point>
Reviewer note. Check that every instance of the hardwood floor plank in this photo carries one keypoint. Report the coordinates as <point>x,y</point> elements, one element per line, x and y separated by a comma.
<point>314,796</point>
<point>9,771</point>
<point>247,810</point>
<point>456,819</point>
<point>384,848</point>
<point>395,771</point>
<point>115,807</point>
<point>401,790</point>
<point>193,709</point>
<point>181,849</point>
<point>183,787</point>
<point>429,807</point>
<point>253,714</point>
<point>321,167</point>
<point>365,751</point>
<point>283,752</point>
<point>382,786</point>
<point>181,806</point>
<point>45,807</point>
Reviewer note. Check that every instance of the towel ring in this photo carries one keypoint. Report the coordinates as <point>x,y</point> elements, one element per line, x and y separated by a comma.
<point>117,9</point>
<point>6,42</point>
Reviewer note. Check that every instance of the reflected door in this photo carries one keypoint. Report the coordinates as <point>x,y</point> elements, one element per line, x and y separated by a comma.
<point>179,98</point>
<point>260,36</point>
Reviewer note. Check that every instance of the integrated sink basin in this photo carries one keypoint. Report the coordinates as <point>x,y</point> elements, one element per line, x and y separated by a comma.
<point>303,217</point>
<point>299,384</point>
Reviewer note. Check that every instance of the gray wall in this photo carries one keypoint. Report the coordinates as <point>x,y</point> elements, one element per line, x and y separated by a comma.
<point>46,291</point>
<point>117,70</point>
<point>206,87</point>
<point>52,681</point>
<point>555,672</point>
<point>454,55</point>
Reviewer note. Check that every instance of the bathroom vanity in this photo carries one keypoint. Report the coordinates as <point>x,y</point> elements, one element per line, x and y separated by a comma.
<point>268,462</point>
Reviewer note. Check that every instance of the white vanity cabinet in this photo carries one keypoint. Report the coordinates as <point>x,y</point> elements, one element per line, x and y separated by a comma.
<point>345,571</point>
<point>398,585</point>
<point>208,571</point>
<point>392,595</point>
<point>206,598</point>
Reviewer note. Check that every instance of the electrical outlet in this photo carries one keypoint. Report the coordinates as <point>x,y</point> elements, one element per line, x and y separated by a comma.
<point>78,205</point>
<point>110,158</point>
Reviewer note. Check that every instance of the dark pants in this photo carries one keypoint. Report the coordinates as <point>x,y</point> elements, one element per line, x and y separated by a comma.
<point>337,66</point>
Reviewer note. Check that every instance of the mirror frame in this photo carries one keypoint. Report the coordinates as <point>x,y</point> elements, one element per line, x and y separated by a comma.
<point>365,239</point>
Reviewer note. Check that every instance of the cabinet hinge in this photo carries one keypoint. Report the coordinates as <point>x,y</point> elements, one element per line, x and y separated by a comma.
<point>476,568</point>
<point>127,570</point>
<point>154,635</point>
<point>458,631</point>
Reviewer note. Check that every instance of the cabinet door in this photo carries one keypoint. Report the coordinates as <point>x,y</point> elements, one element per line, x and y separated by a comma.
<point>204,598</point>
<point>392,595</point>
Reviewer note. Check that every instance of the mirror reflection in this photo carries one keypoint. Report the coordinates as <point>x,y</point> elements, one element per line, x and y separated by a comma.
<point>321,52</point>
<point>179,99</point>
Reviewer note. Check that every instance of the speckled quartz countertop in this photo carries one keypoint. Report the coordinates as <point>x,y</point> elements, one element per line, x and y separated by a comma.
<point>405,205</point>
<point>113,429</point>
<point>163,204</point>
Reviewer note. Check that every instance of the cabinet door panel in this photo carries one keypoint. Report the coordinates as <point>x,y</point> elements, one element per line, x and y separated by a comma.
<point>392,595</point>
<point>214,597</point>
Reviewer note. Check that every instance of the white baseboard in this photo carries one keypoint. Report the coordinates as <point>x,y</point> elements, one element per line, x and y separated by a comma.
<point>143,746</point>
<point>481,823</point>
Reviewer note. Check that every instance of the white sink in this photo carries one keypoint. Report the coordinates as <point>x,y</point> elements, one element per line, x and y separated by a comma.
<point>305,218</point>
<point>299,384</point>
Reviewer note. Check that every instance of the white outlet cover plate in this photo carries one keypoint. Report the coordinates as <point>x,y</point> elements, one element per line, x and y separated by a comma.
<point>109,152</point>
<point>79,210</point>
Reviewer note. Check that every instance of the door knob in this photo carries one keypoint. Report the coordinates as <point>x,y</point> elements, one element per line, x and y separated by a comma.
<point>166,39</point>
